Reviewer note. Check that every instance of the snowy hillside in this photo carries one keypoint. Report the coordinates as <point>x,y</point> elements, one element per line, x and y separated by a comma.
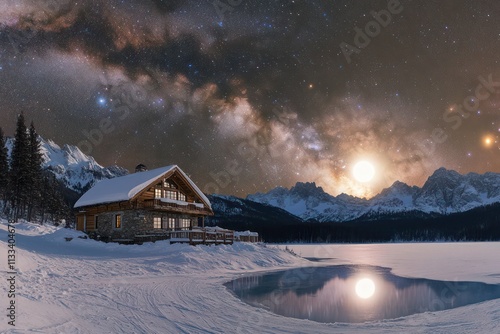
<point>444,192</point>
<point>86,286</point>
<point>76,170</point>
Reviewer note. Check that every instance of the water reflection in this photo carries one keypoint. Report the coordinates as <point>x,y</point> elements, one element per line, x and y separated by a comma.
<point>354,293</point>
<point>365,288</point>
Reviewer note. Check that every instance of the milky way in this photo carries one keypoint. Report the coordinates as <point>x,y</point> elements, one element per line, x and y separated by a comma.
<point>249,95</point>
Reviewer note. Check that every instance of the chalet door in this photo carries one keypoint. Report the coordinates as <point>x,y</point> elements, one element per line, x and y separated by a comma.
<point>80,223</point>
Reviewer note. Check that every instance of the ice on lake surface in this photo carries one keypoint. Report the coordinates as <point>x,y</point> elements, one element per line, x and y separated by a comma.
<point>354,294</point>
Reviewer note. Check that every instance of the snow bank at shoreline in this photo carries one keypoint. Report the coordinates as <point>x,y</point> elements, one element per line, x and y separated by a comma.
<point>86,286</point>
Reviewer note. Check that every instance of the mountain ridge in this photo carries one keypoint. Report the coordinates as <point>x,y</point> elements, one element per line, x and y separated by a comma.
<point>444,192</point>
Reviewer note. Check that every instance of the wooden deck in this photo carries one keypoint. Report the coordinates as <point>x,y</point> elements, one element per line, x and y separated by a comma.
<point>203,236</point>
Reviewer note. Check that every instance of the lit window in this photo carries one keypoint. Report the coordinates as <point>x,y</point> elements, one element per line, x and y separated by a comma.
<point>157,222</point>
<point>185,223</point>
<point>182,197</point>
<point>158,193</point>
<point>118,221</point>
<point>171,194</point>
<point>168,184</point>
<point>171,224</point>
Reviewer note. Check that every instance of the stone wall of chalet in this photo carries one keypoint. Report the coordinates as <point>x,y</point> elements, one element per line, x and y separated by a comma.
<point>134,223</point>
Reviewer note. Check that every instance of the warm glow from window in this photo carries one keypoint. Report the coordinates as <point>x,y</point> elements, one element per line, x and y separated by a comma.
<point>118,221</point>
<point>157,222</point>
<point>185,224</point>
<point>182,197</point>
<point>171,224</point>
<point>171,194</point>
<point>168,184</point>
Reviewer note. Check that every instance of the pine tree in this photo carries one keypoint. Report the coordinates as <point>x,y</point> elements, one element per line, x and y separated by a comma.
<point>19,170</point>
<point>4,167</point>
<point>35,161</point>
<point>52,203</point>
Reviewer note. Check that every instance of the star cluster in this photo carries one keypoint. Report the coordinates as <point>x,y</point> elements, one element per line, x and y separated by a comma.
<point>250,95</point>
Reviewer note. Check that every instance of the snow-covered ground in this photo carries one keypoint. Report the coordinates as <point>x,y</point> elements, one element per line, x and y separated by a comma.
<point>84,286</point>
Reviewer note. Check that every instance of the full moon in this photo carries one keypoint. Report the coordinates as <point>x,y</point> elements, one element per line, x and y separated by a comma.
<point>365,288</point>
<point>363,171</point>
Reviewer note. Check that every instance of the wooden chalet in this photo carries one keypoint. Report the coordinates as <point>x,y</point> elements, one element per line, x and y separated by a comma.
<point>147,205</point>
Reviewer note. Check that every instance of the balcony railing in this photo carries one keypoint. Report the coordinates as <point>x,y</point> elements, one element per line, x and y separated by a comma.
<point>177,206</point>
<point>203,236</point>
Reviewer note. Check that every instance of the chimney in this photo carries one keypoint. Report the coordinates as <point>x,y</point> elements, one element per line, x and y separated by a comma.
<point>140,168</point>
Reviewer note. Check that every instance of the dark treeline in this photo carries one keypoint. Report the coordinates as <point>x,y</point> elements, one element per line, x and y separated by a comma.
<point>28,191</point>
<point>242,215</point>
<point>480,224</point>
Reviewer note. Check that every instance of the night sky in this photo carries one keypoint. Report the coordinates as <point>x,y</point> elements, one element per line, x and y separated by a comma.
<point>249,95</point>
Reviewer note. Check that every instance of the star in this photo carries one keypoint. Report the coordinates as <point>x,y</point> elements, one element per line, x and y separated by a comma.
<point>488,141</point>
<point>101,101</point>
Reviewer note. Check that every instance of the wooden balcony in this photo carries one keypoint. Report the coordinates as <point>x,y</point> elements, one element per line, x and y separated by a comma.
<point>180,207</point>
<point>203,236</point>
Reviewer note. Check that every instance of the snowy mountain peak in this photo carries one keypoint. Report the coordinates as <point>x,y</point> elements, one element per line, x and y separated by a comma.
<point>70,165</point>
<point>444,175</point>
<point>398,188</point>
<point>348,198</point>
<point>307,189</point>
<point>308,201</point>
<point>53,155</point>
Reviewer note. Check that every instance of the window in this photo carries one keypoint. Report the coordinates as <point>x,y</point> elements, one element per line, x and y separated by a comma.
<point>158,193</point>
<point>185,223</point>
<point>118,221</point>
<point>171,223</point>
<point>169,184</point>
<point>170,194</point>
<point>182,197</point>
<point>95,222</point>
<point>157,222</point>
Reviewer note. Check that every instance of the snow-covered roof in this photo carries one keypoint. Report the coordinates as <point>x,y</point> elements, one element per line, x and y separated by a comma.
<point>246,234</point>
<point>124,188</point>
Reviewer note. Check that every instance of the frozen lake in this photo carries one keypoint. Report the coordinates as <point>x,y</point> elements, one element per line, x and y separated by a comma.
<point>354,294</point>
<point>454,261</point>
